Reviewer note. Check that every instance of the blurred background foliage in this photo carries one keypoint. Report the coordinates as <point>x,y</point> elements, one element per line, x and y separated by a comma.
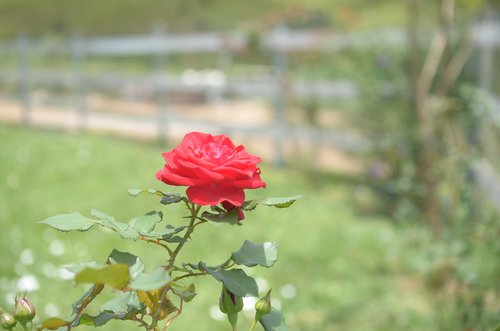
<point>105,17</point>
<point>360,252</point>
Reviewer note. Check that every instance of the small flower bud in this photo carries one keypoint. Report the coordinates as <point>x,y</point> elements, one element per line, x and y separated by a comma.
<point>24,311</point>
<point>229,206</point>
<point>230,303</point>
<point>7,321</point>
<point>263,305</point>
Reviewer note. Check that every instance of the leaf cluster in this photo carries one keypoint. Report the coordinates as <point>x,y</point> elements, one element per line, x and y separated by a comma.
<point>148,297</point>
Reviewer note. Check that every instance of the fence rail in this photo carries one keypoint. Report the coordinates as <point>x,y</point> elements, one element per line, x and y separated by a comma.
<point>276,87</point>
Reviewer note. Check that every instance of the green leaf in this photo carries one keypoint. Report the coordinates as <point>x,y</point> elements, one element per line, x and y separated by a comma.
<point>273,321</point>
<point>230,217</point>
<point>146,223</point>
<point>123,229</point>
<point>87,298</point>
<point>85,319</point>
<point>187,293</point>
<point>54,323</point>
<point>271,202</point>
<point>115,275</point>
<point>102,216</point>
<point>123,304</point>
<point>167,232</point>
<point>175,239</point>
<point>102,318</point>
<point>250,254</point>
<point>150,281</point>
<point>136,267</point>
<point>166,198</point>
<point>235,280</point>
<point>69,222</point>
<point>134,191</point>
<point>171,198</point>
<point>238,282</point>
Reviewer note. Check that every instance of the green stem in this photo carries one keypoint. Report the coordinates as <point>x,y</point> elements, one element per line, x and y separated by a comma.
<point>194,215</point>
<point>233,319</point>
<point>254,323</point>
<point>189,275</point>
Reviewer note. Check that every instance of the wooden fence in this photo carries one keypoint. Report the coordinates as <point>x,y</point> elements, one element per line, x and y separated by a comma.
<point>277,87</point>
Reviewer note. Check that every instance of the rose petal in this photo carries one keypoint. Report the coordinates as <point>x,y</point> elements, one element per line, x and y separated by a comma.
<point>214,194</point>
<point>173,179</point>
<point>213,167</point>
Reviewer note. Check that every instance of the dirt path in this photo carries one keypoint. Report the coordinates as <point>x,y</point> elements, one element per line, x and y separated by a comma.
<point>140,121</point>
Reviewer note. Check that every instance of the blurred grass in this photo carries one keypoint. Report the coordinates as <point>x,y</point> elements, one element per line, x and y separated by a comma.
<point>350,272</point>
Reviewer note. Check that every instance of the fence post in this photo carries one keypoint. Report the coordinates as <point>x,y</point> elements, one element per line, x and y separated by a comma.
<point>486,52</point>
<point>160,90</point>
<point>280,68</point>
<point>24,90</point>
<point>223,63</point>
<point>78,64</point>
<point>486,66</point>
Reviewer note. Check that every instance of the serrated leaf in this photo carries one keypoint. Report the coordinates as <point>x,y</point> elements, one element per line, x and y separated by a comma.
<point>235,280</point>
<point>230,217</point>
<point>69,222</point>
<point>171,198</point>
<point>271,202</point>
<point>217,209</point>
<point>175,239</point>
<point>97,320</point>
<point>273,321</point>
<point>136,267</point>
<point>115,275</point>
<point>54,323</point>
<point>124,230</point>
<point>146,223</point>
<point>150,281</point>
<point>250,254</point>
<point>238,282</point>
<point>169,231</point>
<point>85,319</point>
<point>123,304</point>
<point>187,294</point>
<point>164,233</point>
<point>100,215</point>
<point>134,191</point>
<point>104,318</point>
<point>152,300</point>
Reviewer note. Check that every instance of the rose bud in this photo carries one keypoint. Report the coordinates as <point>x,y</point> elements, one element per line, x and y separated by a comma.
<point>229,206</point>
<point>230,303</point>
<point>7,321</point>
<point>263,306</point>
<point>24,311</point>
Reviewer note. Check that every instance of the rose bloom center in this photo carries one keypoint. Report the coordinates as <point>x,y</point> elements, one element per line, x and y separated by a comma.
<point>214,152</point>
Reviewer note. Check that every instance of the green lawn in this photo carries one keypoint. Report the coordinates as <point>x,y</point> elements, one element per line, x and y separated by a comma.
<point>348,272</point>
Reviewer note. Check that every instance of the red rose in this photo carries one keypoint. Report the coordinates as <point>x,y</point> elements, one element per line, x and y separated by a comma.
<point>213,167</point>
